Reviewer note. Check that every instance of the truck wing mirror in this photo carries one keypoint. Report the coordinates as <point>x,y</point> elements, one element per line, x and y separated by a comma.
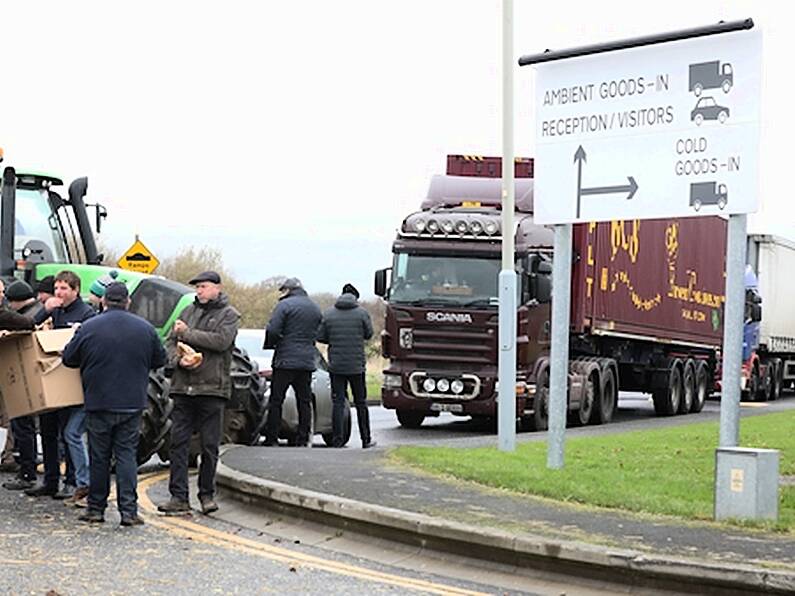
<point>380,282</point>
<point>99,214</point>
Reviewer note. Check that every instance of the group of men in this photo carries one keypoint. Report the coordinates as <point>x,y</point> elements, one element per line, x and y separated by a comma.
<point>115,350</point>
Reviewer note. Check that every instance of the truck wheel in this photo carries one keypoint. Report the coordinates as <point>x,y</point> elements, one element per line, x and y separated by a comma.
<point>606,399</point>
<point>688,388</point>
<point>155,420</point>
<point>540,419</point>
<point>752,389</point>
<point>702,387</point>
<point>726,86</point>
<point>582,415</point>
<point>409,418</point>
<point>766,385</point>
<point>666,400</point>
<point>698,89</point>
<point>328,438</point>
<point>778,373</point>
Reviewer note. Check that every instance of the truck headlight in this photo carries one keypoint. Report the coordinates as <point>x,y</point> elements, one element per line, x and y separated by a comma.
<point>442,385</point>
<point>457,386</point>
<point>429,385</point>
<point>391,381</point>
<point>406,338</point>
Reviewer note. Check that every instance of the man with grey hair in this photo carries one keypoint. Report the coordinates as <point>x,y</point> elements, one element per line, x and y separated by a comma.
<point>291,331</point>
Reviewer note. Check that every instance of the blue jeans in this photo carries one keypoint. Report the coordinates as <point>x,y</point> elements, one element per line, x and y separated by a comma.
<point>73,433</point>
<point>113,434</point>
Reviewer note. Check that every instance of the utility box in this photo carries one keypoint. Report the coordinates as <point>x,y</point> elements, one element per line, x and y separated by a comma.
<point>746,483</point>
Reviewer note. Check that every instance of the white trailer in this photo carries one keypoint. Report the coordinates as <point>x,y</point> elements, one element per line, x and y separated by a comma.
<point>773,260</point>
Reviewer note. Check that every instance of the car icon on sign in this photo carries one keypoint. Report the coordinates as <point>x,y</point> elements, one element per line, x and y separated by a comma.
<point>707,109</point>
<point>138,256</point>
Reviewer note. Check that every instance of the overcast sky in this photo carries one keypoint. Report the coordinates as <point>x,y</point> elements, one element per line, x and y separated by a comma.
<point>295,135</point>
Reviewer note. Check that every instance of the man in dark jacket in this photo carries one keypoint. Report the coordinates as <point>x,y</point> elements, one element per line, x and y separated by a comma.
<point>22,300</point>
<point>115,352</point>
<point>345,328</point>
<point>291,331</point>
<point>66,309</point>
<point>200,390</point>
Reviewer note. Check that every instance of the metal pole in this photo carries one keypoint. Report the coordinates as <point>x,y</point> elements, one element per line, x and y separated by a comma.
<point>733,332</point>
<point>559,349</point>
<point>506,399</point>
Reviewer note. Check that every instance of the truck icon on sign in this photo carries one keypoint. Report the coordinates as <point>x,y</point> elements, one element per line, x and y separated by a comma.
<point>711,75</point>
<point>708,193</point>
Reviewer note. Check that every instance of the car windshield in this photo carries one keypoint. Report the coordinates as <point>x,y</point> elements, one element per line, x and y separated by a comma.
<point>251,343</point>
<point>460,281</point>
<point>32,222</point>
<point>706,102</point>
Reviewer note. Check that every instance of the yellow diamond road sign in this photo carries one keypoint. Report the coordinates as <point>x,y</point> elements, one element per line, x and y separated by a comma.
<point>138,258</point>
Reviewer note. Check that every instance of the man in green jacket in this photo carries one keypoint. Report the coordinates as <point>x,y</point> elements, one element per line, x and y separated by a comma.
<point>200,386</point>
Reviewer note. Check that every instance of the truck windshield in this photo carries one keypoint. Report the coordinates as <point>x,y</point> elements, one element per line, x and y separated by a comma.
<point>463,281</point>
<point>33,219</point>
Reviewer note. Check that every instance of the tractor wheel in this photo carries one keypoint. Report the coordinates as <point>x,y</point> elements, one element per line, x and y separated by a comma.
<point>244,416</point>
<point>156,418</point>
<point>244,413</point>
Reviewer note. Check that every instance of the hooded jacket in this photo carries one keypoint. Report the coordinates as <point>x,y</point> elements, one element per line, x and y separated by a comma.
<point>292,330</point>
<point>212,329</point>
<point>345,328</point>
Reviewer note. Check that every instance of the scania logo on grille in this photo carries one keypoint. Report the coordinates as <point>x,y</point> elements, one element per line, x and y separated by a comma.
<point>448,317</point>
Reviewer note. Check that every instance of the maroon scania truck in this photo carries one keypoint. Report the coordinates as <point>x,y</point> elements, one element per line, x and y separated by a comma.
<point>646,314</point>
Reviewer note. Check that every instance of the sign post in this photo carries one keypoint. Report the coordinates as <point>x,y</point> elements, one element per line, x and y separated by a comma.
<point>138,258</point>
<point>667,126</point>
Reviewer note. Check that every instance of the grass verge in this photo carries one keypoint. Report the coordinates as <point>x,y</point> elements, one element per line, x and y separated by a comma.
<point>663,471</point>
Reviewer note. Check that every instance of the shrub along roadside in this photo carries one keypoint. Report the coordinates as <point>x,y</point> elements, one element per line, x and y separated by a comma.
<point>663,471</point>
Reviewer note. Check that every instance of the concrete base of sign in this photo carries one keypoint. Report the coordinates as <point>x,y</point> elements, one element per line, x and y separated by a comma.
<point>746,483</point>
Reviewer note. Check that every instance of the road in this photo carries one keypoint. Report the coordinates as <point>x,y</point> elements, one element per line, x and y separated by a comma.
<point>635,412</point>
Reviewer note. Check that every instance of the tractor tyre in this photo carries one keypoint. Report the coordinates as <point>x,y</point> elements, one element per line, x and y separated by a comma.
<point>244,415</point>
<point>156,418</point>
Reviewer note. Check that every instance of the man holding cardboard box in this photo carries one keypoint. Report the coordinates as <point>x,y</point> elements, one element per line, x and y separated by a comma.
<point>115,352</point>
<point>66,309</point>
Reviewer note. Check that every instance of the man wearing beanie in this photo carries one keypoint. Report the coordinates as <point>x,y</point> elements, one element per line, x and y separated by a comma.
<point>22,300</point>
<point>97,289</point>
<point>345,328</point>
<point>115,352</point>
<point>45,289</point>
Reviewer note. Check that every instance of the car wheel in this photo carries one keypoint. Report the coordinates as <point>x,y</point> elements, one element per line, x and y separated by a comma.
<point>723,116</point>
<point>328,438</point>
<point>699,119</point>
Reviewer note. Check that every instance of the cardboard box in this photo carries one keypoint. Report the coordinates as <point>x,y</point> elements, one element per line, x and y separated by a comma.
<point>32,377</point>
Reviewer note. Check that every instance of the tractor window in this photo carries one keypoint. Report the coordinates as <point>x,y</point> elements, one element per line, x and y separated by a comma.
<point>33,217</point>
<point>156,299</point>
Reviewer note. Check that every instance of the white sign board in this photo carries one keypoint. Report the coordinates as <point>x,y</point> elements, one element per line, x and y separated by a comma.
<point>666,130</point>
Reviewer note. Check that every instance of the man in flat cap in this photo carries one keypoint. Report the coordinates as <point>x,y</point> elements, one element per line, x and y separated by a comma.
<point>291,331</point>
<point>200,387</point>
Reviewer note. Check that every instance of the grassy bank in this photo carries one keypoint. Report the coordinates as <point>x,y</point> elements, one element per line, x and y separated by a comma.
<point>664,471</point>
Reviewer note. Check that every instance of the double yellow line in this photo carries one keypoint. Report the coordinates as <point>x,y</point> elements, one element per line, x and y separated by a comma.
<point>185,528</point>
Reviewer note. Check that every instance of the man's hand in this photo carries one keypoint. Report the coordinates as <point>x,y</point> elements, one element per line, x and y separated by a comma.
<point>52,303</point>
<point>180,327</point>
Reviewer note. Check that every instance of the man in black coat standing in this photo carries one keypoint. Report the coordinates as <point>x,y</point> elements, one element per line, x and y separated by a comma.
<point>115,352</point>
<point>345,328</point>
<point>292,330</point>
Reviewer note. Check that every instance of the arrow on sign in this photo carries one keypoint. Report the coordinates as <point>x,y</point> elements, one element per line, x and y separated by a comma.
<point>579,158</point>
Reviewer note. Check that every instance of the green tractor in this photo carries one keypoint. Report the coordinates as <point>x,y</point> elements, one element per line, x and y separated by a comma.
<point>42,233</point>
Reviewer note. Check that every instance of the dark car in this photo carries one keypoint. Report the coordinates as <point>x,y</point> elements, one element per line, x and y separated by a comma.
<point>707,109</point>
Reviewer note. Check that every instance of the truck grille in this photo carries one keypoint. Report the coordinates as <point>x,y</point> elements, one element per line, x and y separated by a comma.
<point>452,344</point>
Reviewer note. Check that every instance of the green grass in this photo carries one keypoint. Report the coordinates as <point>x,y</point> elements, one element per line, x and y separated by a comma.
<point>663,471</point>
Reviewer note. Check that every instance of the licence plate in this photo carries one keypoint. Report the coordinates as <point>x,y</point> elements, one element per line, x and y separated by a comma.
<point>447,407</point>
